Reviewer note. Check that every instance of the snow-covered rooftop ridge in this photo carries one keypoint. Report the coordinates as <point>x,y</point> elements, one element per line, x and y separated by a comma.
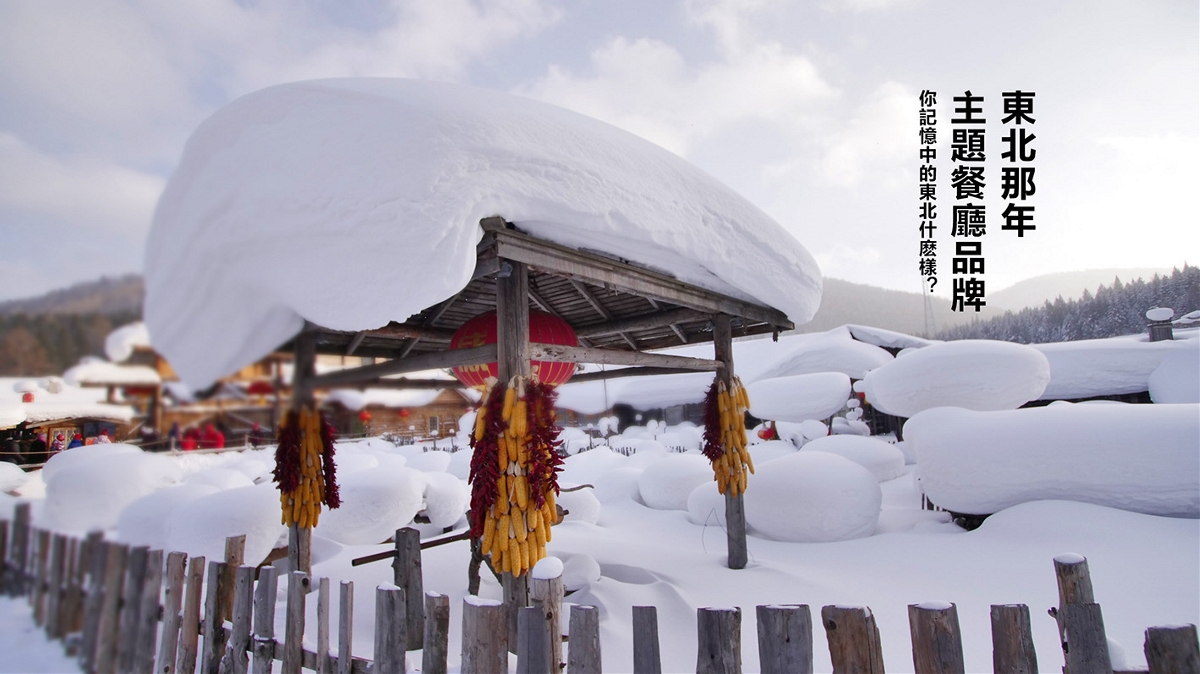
<point>120,343</point>
<point>100,372</point>
<point>886,338</point>
<point>353,202</point>
<point>353,399</point>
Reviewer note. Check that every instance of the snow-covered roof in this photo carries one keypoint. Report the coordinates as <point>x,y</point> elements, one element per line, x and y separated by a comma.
<point>887,338</point>
<point>1113,366</point>
<point>120,343</point>
<point>97,372</point>
<point>353,399</point>
<point>54,400</point>
<point>353,202</point>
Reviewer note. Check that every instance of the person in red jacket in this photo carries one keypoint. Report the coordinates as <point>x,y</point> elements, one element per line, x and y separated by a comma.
<point>212,438</point>
<point>191,439</point>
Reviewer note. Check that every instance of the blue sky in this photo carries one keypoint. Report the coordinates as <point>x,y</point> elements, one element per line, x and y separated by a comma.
<point>807,108</point>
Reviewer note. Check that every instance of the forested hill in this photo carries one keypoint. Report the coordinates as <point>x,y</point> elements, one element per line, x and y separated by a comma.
<point>1116,309</point>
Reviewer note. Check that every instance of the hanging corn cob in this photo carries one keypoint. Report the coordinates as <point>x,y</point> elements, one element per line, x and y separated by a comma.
<point>725,435</point>
<point>304,468</point>
<point>514,473</point>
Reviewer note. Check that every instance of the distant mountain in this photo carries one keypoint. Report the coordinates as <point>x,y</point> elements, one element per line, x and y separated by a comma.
<point>845,302</point>
<point>121,295</point>
<point>1036,291</point>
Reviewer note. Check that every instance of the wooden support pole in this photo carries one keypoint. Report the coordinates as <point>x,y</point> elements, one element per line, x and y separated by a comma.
<point>168,643</point>
<point>936,640</point>
<point>647,659</point>
<point>293,637</point>
<point>406,571</point>
<point>437,633</point>
<point>264,620</point>
<point>719,640</point>
<point>109,630</point>
<point>1172,649</point>
<point>785,644</point>
<point>583,656</point>
<point>237,658</point>
<point>345,626</point>
<point>484,636</point>
<point>390,628</point>
<point>97,566</point>
<point>303,372</point>
<point>131,606</point>
<point>1012,640</point>
<point>323,596</point>
<point>533,642</point>
<point>189,626</point>
<point>1086,645</point>
<point>735,507</point>
<point>853,639</point>
<point>146,627</point>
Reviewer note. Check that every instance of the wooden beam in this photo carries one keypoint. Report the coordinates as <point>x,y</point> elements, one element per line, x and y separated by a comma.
<point>571,263</point>
<point>355,343</point>
<point>674,328</point>
<point>545,305</point>
<point>425,361</point>
<point>441,309</point>
<point>604,313</point>
<point>405,383</point>
<point>628,372</point>
<point>577,354</point>
<point>643,322</point>
<point>396,331</point>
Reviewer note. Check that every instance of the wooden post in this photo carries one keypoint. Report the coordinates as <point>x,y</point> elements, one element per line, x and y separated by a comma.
<point>323,626</point>
<point>264,620</point>
<point>345,626</point>
<point>936,641</point>
<point>1172,649</point>
<point>406,571</point>
<point>547,594</point>
<point>94,602</point>
<point>390,628</point>
<point>20,548</point>
<point>1074,587</point>
<point>719,640</point>
<point>1086,643</point>
<point>189,626</point>
<point>237,658</point>
<point>4,575</point>
<point>235,556</point>
<point>646,656</point>
<point>214,624</point>
<point>1012,640</point>
<point>55,582</point>
<point>437,633</point>
<point>484,636</point>
<point>146,626</point>
<point>785,639</point>
<point>584,654</point>
<point>109,631</point>
<point>76,598</point>
<point>168,643</point>
<point>293,638</point>
<point>41,573</point>
<point>853,639</point>
<point>304,369</point>
<point>70,610</point>
<point>131,605</point>
<point>533,642</point>
<point>735,507</point>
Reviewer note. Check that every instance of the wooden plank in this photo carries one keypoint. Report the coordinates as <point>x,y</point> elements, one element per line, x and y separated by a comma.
<point>406,383</point>
<point>620,373</point>
<point>1012,640</point>
<point>719,640</point>
<point>1172,649</point>
<point>437,633</point>
<point>658,319</point>
<point>323,663</point>
<point>406,573</point>
<point>131,606</point>
<point>578,354</point>
<point>236,658</point>
<point>853,639</point>
<point>547,594</point>
<point>484,636</point>
<point>148,615</point>
<point>647,658</point>
<point>55,581</point>
<point>583,657</point>
<point>599,308</point>
<point>533,642</point>
<point>94,601</point>
<point>936,641</point>
<point>109,630</point>
<point>214,632</point>
<point>735,506</point>
<point>189,625</point>
<point>264,620</point>
<point>390,630</point>
<point>426,361</point>
<point>293,638</point>
<point>785,643</point>
<point>168,642</point>
<point>1086,647</point>
<point>235,556</point>
<point>345,626</point>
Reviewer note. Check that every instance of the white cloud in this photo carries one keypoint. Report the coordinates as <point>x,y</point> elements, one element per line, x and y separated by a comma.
<point>879,137</point>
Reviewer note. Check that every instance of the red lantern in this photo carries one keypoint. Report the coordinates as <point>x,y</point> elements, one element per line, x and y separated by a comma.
<point>260,388</point>
<point>27,397</point>
<point>543,329</point>
<point>364,416</point>
<point>404,413</point>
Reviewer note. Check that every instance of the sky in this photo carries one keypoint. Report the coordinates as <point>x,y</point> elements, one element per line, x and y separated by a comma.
<point>809,109</point>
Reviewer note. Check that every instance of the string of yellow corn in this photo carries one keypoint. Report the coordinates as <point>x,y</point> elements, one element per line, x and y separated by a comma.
<point>302,505</point>
<point>732,469</point>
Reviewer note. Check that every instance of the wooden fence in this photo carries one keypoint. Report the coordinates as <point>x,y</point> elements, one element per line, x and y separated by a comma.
<point>119,608</point>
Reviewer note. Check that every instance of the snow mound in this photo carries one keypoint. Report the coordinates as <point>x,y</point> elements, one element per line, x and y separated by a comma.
<point>813,429</point>
<point>120,343</point>
<point>83,455</point>
<point>666,483</point>
<point>221,478</point>
<point>813,497</point>
<point>446,498</point>
<point>1177,377</point>
<point>200,527</point>
<point>883,460</point>
<point>11,476</point>
<point>586,467</point>
<point>579,571</point>
<point>976,374</point>
<point>147,520</point>
<point>800,397</point>
<point>91,493</point>
<point>1142,458</point>
<point>1096,367</point>
<point>547,568</point>
<point>374,505</point>
<point>581,506</point>
<point>832,351</point>
<point>763,452</point>
<point>312,167</point>
<point>706,505</point>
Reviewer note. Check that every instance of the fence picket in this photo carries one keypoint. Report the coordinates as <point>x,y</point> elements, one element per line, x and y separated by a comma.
<point>936,641</point>
<point>323,627</point>
<point>189,626</point>
<point>1012,640</point>
<point>785,641</point>
<point>853,639</point>
<point>293,647</point>
<point>406,568</point>
<point>390,630</point>
<point>1086,645</point>
<point>54,591</point>
<point>437,633</point>
<point>236,658</point>
<point>109,630</point>
<point>164,661</point>
<point>264,620</point>
<point>1173,649</point>
<point>533,642</point>
<point>214,632</point>
<point>583,657</point>
<point>148,614</point>
<point>93,603</point>
<point>485,636</point>
<point>719,640</point>
<point>345,626</point>
<point>131,606</point>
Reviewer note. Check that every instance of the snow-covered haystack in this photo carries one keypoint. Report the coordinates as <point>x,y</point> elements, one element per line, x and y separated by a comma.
<point>799,397</point>
<point>813,497</point>
<point>666,483</point>
<point>375,504</point>
<point>148,520</point>
<point>1143,458</point>
<point>976,374</point>
<point>1177,377</point>
<point>200,527</point>
<point>883,460</point>
<point>89,492</point>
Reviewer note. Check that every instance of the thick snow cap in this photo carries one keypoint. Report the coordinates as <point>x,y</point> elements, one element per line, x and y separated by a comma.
<point>354,202</point>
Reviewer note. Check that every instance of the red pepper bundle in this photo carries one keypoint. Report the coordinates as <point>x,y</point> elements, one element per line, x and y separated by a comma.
<point>287,453</point>
<point>712,449</point>
<point>485,448</point>
<point>333,498</point>
<point>544,459</point>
